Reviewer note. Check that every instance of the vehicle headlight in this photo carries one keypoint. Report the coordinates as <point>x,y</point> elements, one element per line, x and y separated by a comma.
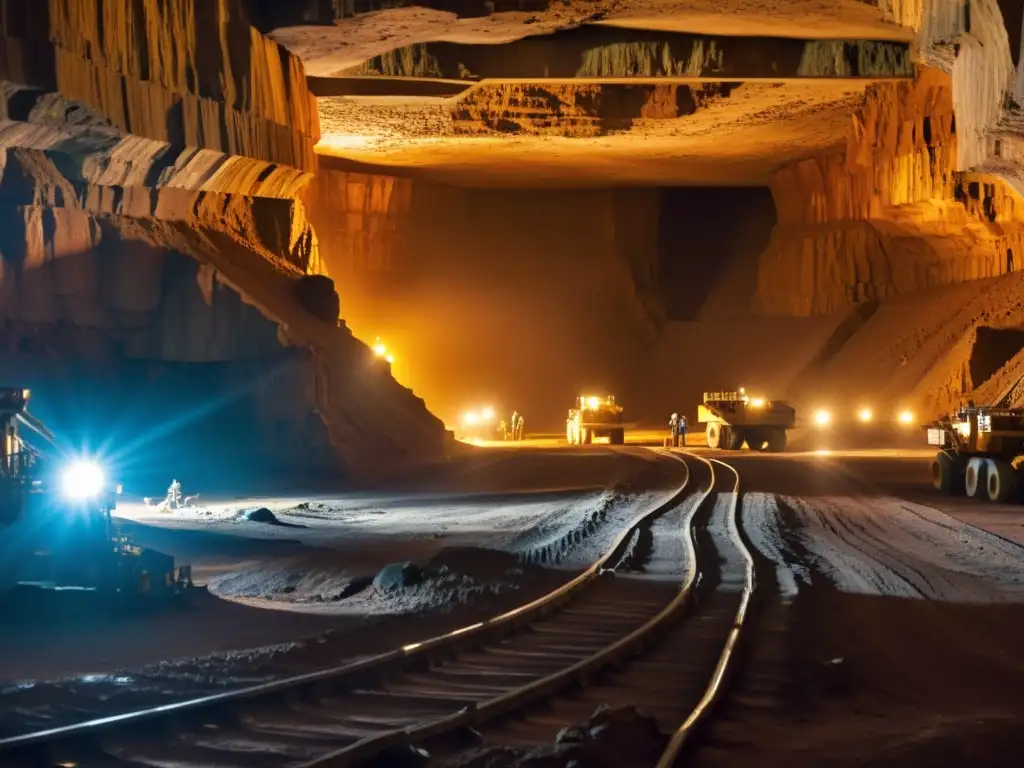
<point>865,414</point>
<point>906,417</point>
<point>82,479</point>
<point>822,417</point>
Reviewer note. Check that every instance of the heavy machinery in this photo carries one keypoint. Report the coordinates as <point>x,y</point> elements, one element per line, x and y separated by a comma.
<point>733,418</point>
<point>57,534</point>
<point>981,452</point>
<point>595,417</point>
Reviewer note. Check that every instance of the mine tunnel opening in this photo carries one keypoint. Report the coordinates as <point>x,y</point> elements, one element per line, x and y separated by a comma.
<point>705,235</point>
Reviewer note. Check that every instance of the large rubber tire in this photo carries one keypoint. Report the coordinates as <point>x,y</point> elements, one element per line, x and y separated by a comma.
<point>1000,481</point>
<point>974,477</point>
<point>757,439</point>
<point>947,474</point>
<point>586,436</point>
<point>735,439</point>
<point>617,437</point>
<point>713,435</point>
<point>776,440</point>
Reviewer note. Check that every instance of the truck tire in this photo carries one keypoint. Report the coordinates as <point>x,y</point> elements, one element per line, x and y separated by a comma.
<point>617,437</point>
<point>586,436</point>
<point>735,438</point>
<point>776,440</point>
<point>1000,481</point>
<point>974,477</point>
<point>756,438</point>
<point>947,474</point>
<point>713,435</point>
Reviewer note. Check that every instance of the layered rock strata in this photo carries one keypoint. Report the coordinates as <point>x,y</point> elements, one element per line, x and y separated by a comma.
<point>577,110</point>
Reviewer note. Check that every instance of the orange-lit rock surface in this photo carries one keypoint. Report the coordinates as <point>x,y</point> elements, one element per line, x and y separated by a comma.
<point>891,214</point>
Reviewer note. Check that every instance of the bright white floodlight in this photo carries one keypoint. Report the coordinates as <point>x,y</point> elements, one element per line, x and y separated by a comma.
<point>82,479</point>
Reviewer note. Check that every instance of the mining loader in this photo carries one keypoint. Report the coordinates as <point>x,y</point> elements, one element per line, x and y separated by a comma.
<point>57,535</point>
<point>733,418</point>
<point>981,452</point>
<point>595,417</point>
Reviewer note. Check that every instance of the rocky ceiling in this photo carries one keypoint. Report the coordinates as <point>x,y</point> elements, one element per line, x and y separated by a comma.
<point>591,92</point>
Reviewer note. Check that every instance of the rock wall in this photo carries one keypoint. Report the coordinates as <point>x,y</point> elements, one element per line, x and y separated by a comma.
<point>546,292</point>
<point>891,214</point>
<point>138,137</point>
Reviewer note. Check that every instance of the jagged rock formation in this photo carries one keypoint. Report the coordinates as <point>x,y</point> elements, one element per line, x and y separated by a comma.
<point>603,51</point>
<point>149,177</point>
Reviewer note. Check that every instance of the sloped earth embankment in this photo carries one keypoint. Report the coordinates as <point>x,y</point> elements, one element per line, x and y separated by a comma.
<point>900,626</point>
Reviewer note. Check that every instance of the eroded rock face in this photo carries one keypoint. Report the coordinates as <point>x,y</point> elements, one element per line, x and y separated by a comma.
<point>148,176</point>
<point>891,214</point>
<point>604,51</point>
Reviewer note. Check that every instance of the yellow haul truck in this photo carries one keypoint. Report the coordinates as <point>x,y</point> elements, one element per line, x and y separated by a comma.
<point>981,452</point>
<point>733,418</point>
<point>595,417</point>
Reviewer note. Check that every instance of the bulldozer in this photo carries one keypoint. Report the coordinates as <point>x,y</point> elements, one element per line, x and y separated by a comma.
<point>595,417</point>
<point>57,533</point>
<point>734,418</point>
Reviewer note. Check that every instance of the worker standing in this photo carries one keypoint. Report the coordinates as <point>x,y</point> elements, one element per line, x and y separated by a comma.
<point>503,428</point>
<point>673,425</point>
<point>682,430</point>
<point>174,495</point>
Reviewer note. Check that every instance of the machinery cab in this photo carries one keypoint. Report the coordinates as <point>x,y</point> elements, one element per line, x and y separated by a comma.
<point>17,460</point>
<point>57,532</point>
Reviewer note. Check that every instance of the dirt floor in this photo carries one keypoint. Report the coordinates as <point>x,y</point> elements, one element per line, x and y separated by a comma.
<point>886,623</point>
<point>297,591</point>
<point>888,635</point>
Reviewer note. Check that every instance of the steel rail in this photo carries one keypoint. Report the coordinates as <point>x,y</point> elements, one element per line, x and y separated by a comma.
<point>716,685</point>
<point>580,672</point>
<point>27,746</point>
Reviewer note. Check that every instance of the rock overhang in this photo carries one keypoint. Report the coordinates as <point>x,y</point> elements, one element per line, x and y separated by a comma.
<point>629,106</point>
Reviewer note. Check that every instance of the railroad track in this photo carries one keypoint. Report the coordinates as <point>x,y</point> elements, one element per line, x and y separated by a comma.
<point>476,675</point>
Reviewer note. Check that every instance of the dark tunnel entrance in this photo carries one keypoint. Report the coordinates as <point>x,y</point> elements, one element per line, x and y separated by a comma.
<point>705,235</point>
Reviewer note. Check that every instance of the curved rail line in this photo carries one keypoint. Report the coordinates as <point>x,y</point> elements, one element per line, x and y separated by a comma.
<point>678,671</point>
<point>716,686</point>
<point>201,728</point>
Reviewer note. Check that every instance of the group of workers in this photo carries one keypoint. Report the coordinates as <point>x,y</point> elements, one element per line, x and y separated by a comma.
<point>513,429</point>
<point>677,427</point>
